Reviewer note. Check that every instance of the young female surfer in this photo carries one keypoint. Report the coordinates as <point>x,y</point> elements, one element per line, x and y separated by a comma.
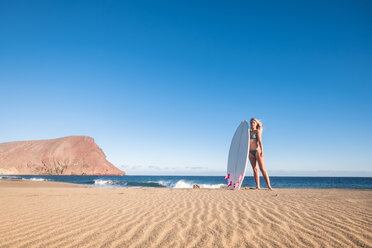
<point>256,153</point>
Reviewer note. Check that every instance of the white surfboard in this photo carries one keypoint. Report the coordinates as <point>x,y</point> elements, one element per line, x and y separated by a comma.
<point>238,156</point>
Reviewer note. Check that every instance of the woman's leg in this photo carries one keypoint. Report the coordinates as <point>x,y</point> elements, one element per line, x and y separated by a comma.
<point>261,163</point>
<point>253,161</point>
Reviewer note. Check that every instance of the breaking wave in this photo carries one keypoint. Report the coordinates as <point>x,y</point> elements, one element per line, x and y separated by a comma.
<point>103,182</point>
<point>23,178</point>
<point>180,184</point>
<point>36,179</point>
<point>115,183</point>
<point>10,177</point>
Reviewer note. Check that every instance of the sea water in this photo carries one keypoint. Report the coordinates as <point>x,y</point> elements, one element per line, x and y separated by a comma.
<point>203,181</point>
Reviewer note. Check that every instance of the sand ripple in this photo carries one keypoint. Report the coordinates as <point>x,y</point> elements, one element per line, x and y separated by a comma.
<point>96,217</point>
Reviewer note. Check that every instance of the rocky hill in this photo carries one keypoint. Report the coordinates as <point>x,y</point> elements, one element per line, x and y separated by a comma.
<point>72,155</point>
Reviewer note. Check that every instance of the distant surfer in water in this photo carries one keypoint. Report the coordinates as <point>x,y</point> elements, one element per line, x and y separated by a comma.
<point>256,153</point>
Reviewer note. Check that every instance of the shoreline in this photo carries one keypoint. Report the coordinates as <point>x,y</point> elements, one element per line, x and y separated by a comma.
<point>139,187</point>
<point>53,214</point>
<point>12,182</point>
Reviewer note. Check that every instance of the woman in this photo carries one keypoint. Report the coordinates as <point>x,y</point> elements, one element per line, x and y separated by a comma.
<point>256,153</point>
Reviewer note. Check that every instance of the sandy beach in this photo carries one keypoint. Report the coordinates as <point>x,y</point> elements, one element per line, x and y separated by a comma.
<point>47,214</point>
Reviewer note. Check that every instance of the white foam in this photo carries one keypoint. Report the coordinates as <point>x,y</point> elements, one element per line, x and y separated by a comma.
<point>9,177</point>
<point>212,186</point>
<point>22,178</point>
<point>162,183</point>
<point>103,182</point>
<point>36,179</point>
<point>181,184</point>
<point>188,185</point>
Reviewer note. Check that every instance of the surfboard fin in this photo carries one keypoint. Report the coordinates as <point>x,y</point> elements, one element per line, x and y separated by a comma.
<point>241,178</point>
<point>237,185</point>
<point>227,177</point>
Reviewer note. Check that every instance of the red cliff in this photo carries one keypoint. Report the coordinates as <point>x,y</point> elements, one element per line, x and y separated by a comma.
<point>72,155</point>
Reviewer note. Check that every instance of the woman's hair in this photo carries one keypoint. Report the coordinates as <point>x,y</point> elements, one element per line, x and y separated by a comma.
<point>259,124</point>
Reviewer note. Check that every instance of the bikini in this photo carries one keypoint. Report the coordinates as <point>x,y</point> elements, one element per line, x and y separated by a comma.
<point>253,152</point>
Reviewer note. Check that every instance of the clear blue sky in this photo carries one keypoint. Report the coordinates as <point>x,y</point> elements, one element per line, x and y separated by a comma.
<point>162,85</point>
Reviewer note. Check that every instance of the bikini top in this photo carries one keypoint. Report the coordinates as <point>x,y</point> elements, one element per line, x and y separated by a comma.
<point>253,136</point>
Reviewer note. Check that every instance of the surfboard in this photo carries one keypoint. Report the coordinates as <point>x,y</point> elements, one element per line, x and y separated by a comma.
<point>238,156</point>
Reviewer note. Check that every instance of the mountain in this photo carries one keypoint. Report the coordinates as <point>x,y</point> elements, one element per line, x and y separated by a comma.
<point>72,155</point>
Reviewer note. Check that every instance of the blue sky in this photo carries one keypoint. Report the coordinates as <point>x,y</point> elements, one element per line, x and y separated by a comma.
<point>161,86</point>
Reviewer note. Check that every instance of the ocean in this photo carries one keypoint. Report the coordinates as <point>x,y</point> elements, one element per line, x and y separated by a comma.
<point>203,181</point>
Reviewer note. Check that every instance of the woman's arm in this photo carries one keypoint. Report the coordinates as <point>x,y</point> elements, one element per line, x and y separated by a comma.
<point>259,137</point>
